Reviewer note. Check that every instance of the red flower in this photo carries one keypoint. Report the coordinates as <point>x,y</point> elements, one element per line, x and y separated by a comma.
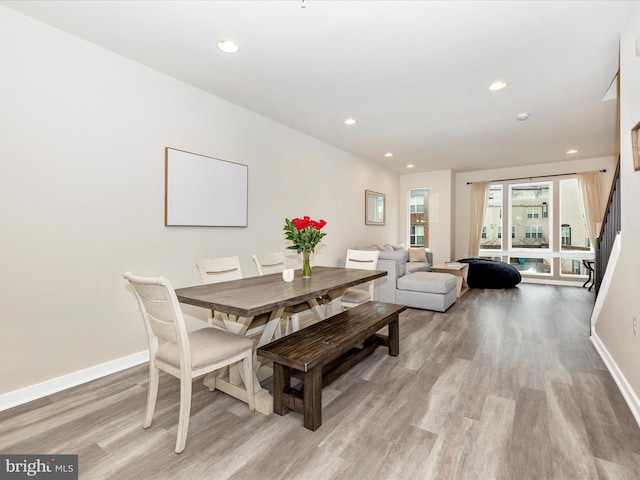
<point>301,223</point>
<point>303,233</point>
<point>306,222</point>
<point>318,225</point>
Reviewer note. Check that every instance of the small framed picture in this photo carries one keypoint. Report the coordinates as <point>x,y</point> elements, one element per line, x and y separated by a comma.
<point>374,208</point>
<point>635,146</point>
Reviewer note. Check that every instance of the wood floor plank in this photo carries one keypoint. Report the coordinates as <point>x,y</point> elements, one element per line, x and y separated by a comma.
<point>504,385</point>
<point>572,456</point>
<point>529,454</point>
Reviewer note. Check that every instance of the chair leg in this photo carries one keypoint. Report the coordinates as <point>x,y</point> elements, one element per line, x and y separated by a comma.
<point>293,324</point>
<point>278,333</point>
<point>152,395</point>
<point>185,411</point>
<point>247,363</point>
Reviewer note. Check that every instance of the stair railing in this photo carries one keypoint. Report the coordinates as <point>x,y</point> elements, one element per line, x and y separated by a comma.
<point>611,225</point>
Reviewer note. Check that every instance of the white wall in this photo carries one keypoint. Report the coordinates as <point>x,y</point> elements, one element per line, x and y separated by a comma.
<point>614,324</point>
<point>440,187</point>
<point>82,141</point>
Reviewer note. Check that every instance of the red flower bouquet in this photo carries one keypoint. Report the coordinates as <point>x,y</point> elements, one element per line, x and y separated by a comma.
<point>304,234</point>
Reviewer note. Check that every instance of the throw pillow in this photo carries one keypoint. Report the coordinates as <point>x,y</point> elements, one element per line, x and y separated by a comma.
<point>417,255</point>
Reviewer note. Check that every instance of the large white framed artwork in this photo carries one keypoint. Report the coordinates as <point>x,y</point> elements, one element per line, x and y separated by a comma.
<point>202,191</point>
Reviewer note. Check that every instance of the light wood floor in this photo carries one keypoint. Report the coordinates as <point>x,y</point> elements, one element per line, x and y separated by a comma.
<point>505,385</point>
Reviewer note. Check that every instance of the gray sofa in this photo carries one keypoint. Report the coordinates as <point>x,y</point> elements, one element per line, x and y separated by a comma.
<point>413,283</point>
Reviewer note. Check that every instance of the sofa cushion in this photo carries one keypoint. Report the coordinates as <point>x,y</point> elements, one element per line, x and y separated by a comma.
<point>418,267</point>
<point>429,282</point>
<point>396,255</point>
<point>417,254</point>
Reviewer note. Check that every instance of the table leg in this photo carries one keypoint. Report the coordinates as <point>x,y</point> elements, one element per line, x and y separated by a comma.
<point>317,309</point>
<point>281,380</point>
<point>312,398</point>
<point>231,381</point>
<point>394,337</point>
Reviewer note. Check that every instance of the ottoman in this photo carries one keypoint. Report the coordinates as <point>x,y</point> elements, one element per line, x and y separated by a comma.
<point>491,274</point>
<point>427,290</point>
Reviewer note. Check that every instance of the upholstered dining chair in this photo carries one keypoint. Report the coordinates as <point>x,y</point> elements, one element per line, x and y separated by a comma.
<point>224,269</point>
<point>184,355</point>
<point>365,260</point>
<point>273,262</point>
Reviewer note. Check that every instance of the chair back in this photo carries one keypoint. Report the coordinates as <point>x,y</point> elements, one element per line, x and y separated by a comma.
<point>362,259</point>
<point>223,269</point>
<point>160,309</point>
<point>269,262</point>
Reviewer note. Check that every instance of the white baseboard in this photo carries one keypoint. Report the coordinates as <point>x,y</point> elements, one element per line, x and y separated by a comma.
<point>627,392</point>
<point>560,283</point>
<point>39,390</point>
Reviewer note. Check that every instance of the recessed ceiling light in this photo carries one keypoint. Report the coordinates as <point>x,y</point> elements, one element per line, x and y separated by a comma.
<point>522,116</point>
<point>228,46</point>
<point>410,166</point>
<point>499,85</point>
<point>388,154</point>
<point>350,121</point>
<point>573,150</point>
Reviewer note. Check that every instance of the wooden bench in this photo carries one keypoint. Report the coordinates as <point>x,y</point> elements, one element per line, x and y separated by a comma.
<point>325,350</point>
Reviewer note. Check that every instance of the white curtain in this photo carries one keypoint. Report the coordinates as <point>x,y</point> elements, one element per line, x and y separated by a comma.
<point>590,186</point>
<point>478,207</point>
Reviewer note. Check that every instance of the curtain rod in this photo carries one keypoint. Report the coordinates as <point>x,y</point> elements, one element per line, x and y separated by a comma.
<point>536,176</point>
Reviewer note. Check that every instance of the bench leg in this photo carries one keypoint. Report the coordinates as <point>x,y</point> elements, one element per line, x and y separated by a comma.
<point>394,337</point>
<point>312,398</point>
<point>281,380</point>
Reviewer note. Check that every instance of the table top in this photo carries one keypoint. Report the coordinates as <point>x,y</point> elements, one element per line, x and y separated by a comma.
<point>253,296</point>
<point>450,266</point>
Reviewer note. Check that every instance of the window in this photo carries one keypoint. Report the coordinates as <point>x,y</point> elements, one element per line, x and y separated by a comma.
<point>416,204</point>
<point>576,266</point>
<point>492,229</point>
<point>546,239</point>
<point>565,234</point>
<point>418,217</point>
<point>417,235</point>
<point>526,202</point>
<point>532,231</point>
<point>573,229</point>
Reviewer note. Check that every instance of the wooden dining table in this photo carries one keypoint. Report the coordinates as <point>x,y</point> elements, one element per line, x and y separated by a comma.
<point>242,301</point>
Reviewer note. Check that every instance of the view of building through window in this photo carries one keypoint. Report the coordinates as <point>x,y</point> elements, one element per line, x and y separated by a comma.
<point>419,217</point>
<point>492,220</point>
<point>573,227</point>
<point>527,213</point>
<point>530,215</point>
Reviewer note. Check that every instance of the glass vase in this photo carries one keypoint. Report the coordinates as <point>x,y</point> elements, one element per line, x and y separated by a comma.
<point>306,265</point>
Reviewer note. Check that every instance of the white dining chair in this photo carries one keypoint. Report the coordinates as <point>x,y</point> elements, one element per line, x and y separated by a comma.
<point>364,260</point>
<point>225,269</point>
<point>273,262</point>
<point>181,354</point>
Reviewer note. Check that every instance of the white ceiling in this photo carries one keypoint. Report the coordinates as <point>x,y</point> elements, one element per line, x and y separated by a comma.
<point>413,73</point>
